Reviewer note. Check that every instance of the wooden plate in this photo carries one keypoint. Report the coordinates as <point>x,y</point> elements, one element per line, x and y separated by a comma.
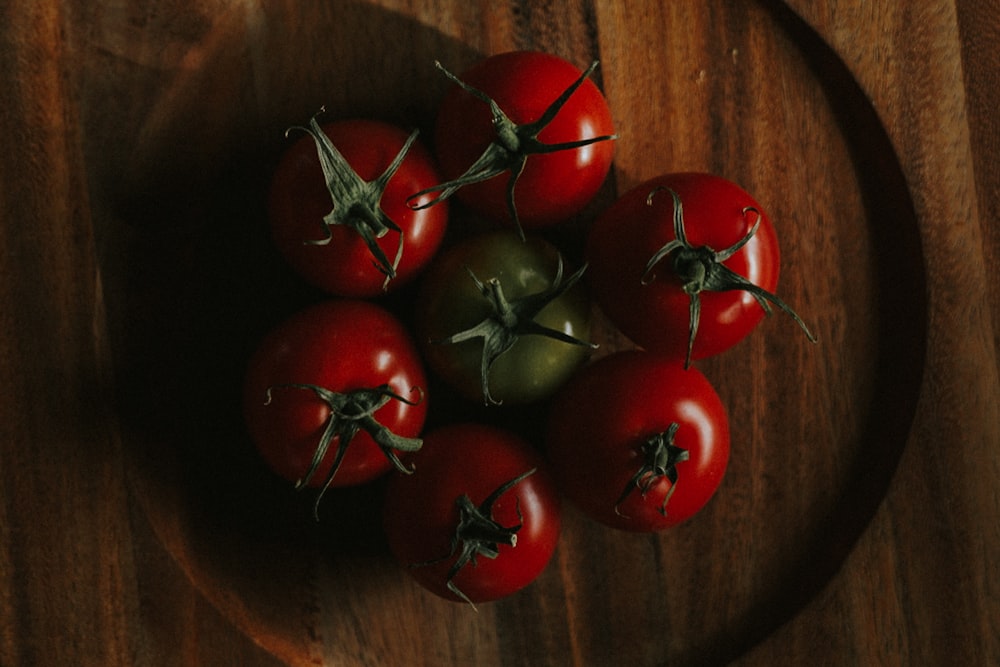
<point>745,90</point>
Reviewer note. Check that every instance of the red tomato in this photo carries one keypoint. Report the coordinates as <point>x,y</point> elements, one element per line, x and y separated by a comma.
<point>526,87</point>
<point>689,297</point>
<point>319,213</point>
<point>638,442</point>
<point>363,355</point>
<point>496,485</point>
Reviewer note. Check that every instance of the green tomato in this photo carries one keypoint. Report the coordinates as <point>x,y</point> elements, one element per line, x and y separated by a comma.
<point>501,321</point>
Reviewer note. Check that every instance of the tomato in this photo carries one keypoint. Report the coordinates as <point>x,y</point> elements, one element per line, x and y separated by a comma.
<point>498,320</point>
<point>524,136</point>
<point>479,519</point>
<point>338,207</point>
<point>339,379</point>
<point>638,442</point>
<point>685,264</point>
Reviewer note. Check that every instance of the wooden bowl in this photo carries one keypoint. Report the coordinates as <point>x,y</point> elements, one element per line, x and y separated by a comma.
<point>750,93</point>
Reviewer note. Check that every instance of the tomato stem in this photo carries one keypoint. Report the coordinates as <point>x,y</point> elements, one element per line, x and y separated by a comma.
<point>512,319</point>
<point>701,268</point>
<point>351,412</point>
<point>660,458</point>
<point>356,202</point>
<point>511,146</point>
<point>477,533</point>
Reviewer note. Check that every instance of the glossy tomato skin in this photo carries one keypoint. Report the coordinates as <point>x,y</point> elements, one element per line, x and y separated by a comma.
<point>449,301</point>
<point>420,514</point>
<point>656,315</point>
<point>599,420</point>
<point>340,345</point>
<point>553,186</point>
<point>298,200</point>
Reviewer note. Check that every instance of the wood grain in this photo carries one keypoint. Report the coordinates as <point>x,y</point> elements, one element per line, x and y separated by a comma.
<point>912,562</point>
<point>66,565</point>
<point>859,523</point>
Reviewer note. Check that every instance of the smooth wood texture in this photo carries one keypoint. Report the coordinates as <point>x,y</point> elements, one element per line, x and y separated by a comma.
<point>859,522</point>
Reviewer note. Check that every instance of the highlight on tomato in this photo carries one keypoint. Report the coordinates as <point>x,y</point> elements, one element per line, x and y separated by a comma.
<point>479,518</point>
<point>334,394</point>
<point>686,264</point>
<point>523,137</point>
<point>338,206</point>
<point>637,442</point>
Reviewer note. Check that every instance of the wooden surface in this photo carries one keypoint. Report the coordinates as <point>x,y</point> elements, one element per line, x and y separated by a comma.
<point>859,522</point>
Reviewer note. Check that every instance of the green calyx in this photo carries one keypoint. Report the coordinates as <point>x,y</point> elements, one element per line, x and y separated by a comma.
<point>351,412</point>
<point>701,269</point>
<point>512,319</point>
<point>478,533</point>
<point>660,457</point>
<point>510,148</point>
<point>356,202</point>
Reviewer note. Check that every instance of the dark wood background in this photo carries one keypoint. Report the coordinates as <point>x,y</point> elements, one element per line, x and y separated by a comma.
<point>859,522</point>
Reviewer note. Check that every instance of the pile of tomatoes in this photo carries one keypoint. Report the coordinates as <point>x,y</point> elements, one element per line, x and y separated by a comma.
<point>685,265</point>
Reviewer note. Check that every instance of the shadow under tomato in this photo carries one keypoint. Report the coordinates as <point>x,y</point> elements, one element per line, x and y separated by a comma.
<point>192,279</point>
